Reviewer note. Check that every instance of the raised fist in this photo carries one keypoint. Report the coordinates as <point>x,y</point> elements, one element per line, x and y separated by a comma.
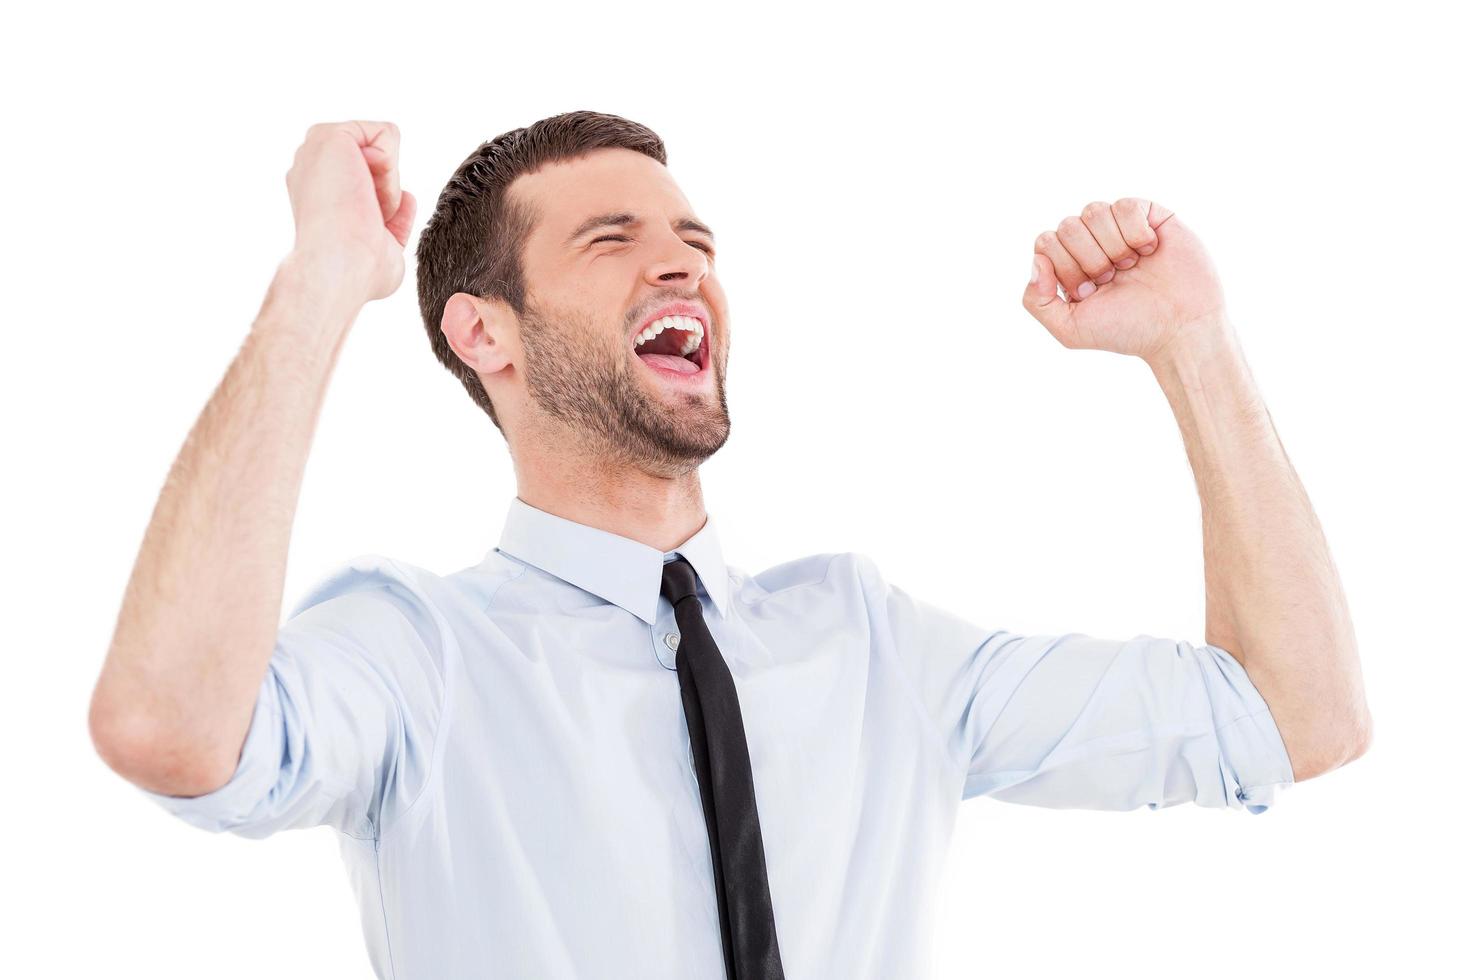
<point>352,218</point>
<point>1135,280</point>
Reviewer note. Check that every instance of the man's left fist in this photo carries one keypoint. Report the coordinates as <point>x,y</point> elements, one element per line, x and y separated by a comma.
<point>1136,279</point>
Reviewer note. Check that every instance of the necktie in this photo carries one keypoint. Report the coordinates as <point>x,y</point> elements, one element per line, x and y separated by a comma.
<point>718,743</point>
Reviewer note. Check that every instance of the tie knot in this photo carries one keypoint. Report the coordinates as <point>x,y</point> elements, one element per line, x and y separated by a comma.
<point>678,580</point>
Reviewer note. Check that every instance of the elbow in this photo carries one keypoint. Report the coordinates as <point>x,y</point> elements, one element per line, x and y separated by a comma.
<point>1361,738</point>
<point>1332,750</point>
<point>126,743</point>
<point>1355,735</point>
<point>117,737</point>
<point>121,732</point>
<point>131,747</point>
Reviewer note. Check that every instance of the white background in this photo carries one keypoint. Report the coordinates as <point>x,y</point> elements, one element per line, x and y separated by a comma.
<point>877,180</point>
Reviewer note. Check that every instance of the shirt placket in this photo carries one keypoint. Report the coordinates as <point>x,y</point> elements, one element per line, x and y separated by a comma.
<point>665,640</point>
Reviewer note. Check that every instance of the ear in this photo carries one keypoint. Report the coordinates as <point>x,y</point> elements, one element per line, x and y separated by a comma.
<point>481,332</point>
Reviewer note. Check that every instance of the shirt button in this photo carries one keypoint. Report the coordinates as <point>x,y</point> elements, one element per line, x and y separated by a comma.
<point>672,640</point>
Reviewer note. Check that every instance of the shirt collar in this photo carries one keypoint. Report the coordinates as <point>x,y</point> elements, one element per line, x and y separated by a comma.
<point>619,569</point>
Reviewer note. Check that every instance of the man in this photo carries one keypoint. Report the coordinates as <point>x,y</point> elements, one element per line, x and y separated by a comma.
<point>552,763</point>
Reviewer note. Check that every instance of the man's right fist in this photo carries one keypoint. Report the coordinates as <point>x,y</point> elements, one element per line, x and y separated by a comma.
<point>351,217</point>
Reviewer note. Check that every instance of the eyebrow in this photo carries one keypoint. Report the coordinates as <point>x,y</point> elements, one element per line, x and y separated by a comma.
<point>627,218</point>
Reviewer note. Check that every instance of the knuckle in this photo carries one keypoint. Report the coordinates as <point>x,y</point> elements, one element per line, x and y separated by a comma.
<point>1071,224</point>
<point>1128,205</point>
<point>1045,240</point>
<point>1095,209</point>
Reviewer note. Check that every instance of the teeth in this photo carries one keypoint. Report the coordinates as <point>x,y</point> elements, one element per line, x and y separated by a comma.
<point>687,324</point>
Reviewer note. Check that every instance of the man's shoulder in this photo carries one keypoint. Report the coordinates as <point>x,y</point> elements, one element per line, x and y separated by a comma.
<point>355,588</point>
<point>837,568</point>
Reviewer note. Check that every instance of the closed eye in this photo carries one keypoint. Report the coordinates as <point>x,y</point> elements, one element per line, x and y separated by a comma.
<point>624,238</point>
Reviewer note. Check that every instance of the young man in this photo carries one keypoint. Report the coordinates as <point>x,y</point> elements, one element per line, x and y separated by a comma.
<point>552,763</point>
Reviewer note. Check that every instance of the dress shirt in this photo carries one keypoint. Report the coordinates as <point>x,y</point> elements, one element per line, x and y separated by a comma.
<point>504,756</point>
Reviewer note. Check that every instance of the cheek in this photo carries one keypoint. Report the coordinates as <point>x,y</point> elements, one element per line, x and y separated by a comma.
<point>607,292</point>
<point>591,306</point>
<point>723,321</point>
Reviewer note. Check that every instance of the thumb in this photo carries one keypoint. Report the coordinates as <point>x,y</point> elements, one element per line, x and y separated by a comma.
<point>400,223</point>
<point>1042,299</point>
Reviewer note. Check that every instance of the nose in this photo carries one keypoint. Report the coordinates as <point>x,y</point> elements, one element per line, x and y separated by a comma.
<point>678,262</point>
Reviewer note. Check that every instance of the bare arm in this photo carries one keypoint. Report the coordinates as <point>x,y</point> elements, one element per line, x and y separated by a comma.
<point>1274,599</point>
<point>1138,281</point>
<point>197,627</point>
<point>202,606</point>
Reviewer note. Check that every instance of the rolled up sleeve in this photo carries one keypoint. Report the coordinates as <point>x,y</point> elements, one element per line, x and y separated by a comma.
<point>346,717</point>
<point>1072,721</point>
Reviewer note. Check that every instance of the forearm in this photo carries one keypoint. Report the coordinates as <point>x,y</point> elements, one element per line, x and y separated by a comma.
<point>1274,598</point>
<point>202,607</point>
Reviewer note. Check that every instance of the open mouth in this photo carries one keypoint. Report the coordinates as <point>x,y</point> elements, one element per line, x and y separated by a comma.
<point>674,346</point>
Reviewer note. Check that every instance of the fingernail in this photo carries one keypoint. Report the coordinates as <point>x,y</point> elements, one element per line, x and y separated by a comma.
<point>1085,288</point>
<point>1036,272</point>
<point>1104,277</point>
<point>1146,249</point>
<point>1125,263</point>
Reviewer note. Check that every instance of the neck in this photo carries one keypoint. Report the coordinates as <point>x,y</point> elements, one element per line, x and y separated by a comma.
<point>659,511</point>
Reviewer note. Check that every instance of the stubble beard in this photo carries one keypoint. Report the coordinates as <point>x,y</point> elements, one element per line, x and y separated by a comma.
<point>575,378</point>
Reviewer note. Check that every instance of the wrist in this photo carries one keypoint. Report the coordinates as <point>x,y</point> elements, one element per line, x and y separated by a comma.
<point>1205,374</point>
<point>1201,343</point>
<point>331,280</point>
<point>313,300</point>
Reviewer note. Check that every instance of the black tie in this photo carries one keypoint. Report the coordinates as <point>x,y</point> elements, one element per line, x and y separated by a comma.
<point>718,742</point>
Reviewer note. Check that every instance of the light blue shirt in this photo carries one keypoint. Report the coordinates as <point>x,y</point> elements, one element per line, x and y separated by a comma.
<point>504,755</point>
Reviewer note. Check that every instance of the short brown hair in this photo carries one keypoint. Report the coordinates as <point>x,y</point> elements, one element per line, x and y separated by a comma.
<point>473,241</point>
